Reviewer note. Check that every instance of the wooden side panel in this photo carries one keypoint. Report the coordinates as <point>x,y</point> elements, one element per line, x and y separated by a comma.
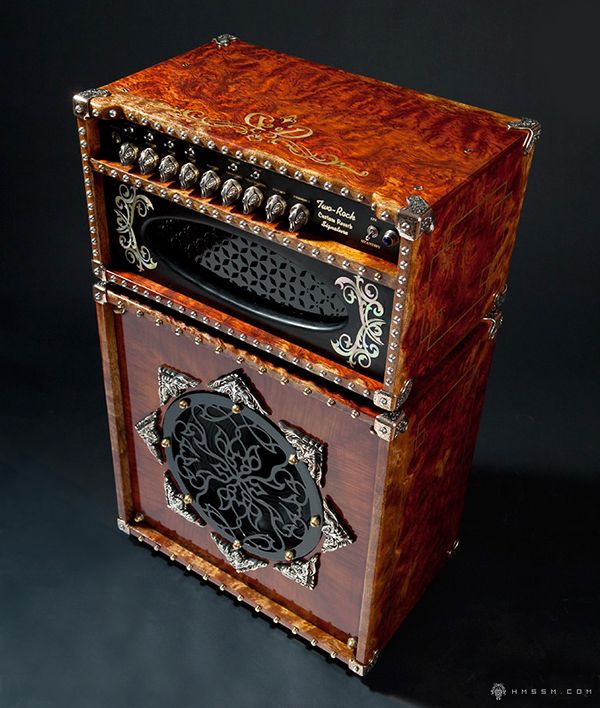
<point>456,270</point>
<point>335,603</point>
<point>422,500</point>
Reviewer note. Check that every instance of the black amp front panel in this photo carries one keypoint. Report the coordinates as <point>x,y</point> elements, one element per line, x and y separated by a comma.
<point>337,314</point>
<point>304,207</point>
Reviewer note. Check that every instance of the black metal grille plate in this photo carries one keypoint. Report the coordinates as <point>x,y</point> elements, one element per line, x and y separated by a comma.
<point>236,468</point>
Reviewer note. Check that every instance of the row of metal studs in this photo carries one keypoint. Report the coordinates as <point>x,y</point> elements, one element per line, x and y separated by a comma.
<point>89,188</point>
<point>396,321</point>
<point>351,643</point>
<point>219,349</point>
<point>247,156</point>
<point>241,222</point>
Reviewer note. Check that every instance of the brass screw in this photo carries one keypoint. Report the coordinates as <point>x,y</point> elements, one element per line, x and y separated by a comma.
<point>172,557</point>
<point>187,499</point>
<point>166,442</point>
<point>275,620</point>
<point>188,567</point>
<point>313,642</point>
<point>236,408</point>
<point>315,520</point>
<point>351,642</point>
<point>237,544</point>
<point>184,403</point>
<point>139,313</point>
<point>138,518</point>
<point>294,630</point>
<point>157,547</point>
<point>158,322</point>
<point>292,459</point>
<point>290,555</point>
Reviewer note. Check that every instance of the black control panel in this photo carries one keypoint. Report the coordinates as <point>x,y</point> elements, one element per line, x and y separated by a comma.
<point>288,203</point>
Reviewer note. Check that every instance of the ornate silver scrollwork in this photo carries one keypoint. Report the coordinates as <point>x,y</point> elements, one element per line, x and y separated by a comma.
<point>128,203</point>
<point>416,219</point>
<point>308,450</point>
<point>533,128</point>
<point>224,40</point>
<point>239,560</point>
<point>234,386</point>
<point>364,347</point>
<point>494,316</point>
<point>302,572</point>
<point>176,502</point>
<point>81,101</point>
<point>335,534</point>
<point>149,430</point>
<point>171,383</point>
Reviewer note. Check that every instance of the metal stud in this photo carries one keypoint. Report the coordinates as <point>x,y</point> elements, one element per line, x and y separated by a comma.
<point>166,442</point>
<point>292,459</point>
<point>236,408</point>
<point>138,518</point>
<point>237,544</point>
<point>315,521</point>
<point>290,555</point>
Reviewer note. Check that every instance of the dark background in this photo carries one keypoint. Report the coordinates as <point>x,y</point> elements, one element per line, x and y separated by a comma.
<point>87,618</point>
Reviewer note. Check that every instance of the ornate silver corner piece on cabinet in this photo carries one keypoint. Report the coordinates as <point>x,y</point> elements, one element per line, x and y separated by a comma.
<point>533,128</point>
<point>494,316</point>
<point>172,383</point>
<point>176,502</point>
<point>404,393</point>
<point>123,526</point>
<point>364,346</point>
<point>149,430</point>
<point>130,203</point>
<point>81,101</point>
<point>239,560</point>
<point>302,572</point>
<point>308,450</point>
<point>388,425</point>
<point>224,40</point>
<point>384,400</point>
<point>335,534</point>
<point>416,219</point>
<point>234,386</point>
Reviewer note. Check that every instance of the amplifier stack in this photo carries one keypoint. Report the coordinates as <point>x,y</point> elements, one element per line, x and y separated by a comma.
<point>300,274</point>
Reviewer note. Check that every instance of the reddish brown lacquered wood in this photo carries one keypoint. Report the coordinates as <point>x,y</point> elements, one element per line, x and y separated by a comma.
<point>454,273</point>
<point>334,605</point>
<point>376,138</point>
<point>424,486</point>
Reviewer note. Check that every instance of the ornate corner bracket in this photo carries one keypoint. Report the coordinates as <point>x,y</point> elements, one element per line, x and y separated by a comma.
<point>416,219</point>
<point>123,526</point>
<point>302,572</point>
<point>385,400</point>
<point>148,429</point>
<point>224,40</point>
<point>494,316</point>
<point>81,101</point>
<point>533,128</point>
<point>171,383</point>
<point>177,502</point>
<point>308,450</point>
<point>388,425</point>
<point>240,561</point>
<point>234,386</point>
<point>363,669</point>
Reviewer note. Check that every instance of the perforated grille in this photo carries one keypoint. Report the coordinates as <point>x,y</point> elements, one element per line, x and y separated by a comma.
<point>236,469</point>
<point>237,263</point>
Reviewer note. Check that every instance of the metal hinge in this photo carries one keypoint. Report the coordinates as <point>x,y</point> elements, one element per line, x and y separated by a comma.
<point>494,316</point>
<point>388,425</point>
<point>533,128</point>
<point>416,219</point>
<point>81,101</point>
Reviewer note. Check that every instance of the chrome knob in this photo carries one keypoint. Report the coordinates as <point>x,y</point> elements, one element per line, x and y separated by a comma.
<point>209,183</point>
<point>389,238</point>
<point>231,192</point>
<point>188,175</point>
<point>168,168</point>
<point>148,161</point>
<point>275,208</point>
<point>252,199</point>
<point>128,153</point>
<point>298,217</point>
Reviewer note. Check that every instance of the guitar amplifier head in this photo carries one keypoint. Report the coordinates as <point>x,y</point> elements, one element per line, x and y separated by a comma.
<point>350,227</point>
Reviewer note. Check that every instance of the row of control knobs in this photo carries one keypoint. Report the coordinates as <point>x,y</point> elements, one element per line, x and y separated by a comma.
<point>209,183</point>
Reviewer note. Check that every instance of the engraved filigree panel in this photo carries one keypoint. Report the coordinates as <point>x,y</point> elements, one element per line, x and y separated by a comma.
<point>130,203</point>
<point>362,347</point>
<point>335,533</point>
<point>171,383</point>
<point>235,387</point>
<point>303,572</point>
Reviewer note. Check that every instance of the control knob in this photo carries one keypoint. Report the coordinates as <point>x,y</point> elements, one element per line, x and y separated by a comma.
<point>168,168</point>
<point>148,161</point>
<point>209,183</point>
<point>231,192</point>
<point>188,175</point>
<point>128,153</point>
<point>275,208</point>
<point>298,217</point>
<point>252,199</point>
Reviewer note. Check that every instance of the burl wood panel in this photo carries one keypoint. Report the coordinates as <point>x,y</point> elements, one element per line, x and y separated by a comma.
<point>373,137</point>
<point>455,271</point>
<point>423,491</point>
<point>352,454</point>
